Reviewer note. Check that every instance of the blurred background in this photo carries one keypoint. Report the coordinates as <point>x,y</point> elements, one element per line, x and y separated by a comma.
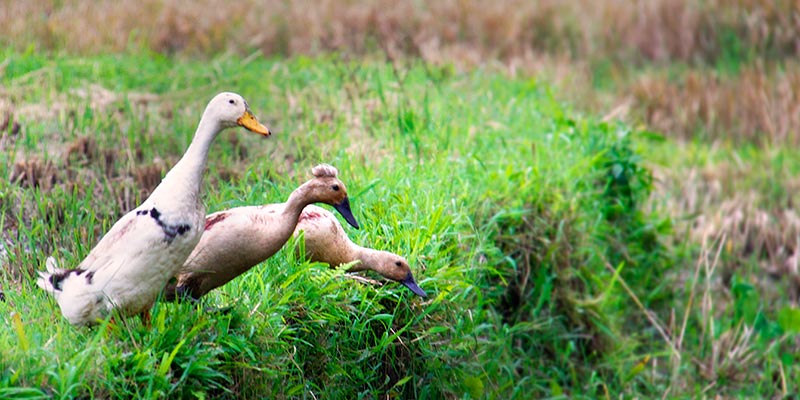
<point>688,68</point>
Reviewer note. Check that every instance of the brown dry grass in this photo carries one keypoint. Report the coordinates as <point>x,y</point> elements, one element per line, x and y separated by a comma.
<point>563,41</point>
<point>661,30</point>
<point>755,106</point>
<point>719,201</point>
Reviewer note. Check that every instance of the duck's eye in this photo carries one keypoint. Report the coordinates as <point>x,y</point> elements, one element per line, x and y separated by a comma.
<point>232,101</point>
<point>397,263</point>
<point>335,188</point>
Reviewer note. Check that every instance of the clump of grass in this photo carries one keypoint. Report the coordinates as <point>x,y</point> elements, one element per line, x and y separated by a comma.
<point>34,173</point>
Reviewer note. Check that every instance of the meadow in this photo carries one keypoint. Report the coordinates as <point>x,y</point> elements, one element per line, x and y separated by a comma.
<point>592,214</point>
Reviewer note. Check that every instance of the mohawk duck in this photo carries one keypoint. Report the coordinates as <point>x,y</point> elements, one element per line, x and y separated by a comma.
<point>327,242</point>
<point>237,239</point>
<point>128,268</point>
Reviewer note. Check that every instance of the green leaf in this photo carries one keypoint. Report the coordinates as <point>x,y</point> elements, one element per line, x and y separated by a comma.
<point>166,360</point>
<point>20,330</point>
<point>555,388</point>
<point>474,386</point>
<point>789,319</point>
<point>402,382</point>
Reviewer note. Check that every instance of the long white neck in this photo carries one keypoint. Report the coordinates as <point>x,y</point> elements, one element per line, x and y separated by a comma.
<point>186,177</point>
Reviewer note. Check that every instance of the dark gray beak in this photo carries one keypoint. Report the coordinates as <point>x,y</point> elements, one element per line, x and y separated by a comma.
<point>410,283</point>
<point>344,209</point>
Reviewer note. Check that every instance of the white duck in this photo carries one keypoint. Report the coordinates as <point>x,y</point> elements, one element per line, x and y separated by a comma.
<point>327,242</point>
<point>129,267</point>
<point>238,239</point>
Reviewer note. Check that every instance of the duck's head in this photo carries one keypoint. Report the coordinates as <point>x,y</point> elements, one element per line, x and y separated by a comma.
<point>394,267</point>
<point>231,110</point>
<point>327,188</point>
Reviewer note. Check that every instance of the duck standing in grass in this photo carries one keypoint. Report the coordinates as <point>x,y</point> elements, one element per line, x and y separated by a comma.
<point>128,268</point>
<point>237,239</point>
<point>327,242</point>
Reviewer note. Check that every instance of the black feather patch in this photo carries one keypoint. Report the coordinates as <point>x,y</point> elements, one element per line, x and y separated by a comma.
<point>89,277</point>
<point>170,230</point>
<point>174,230</point>
<point>57,279</point>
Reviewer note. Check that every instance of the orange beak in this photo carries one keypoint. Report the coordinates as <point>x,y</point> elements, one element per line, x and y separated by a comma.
<point>250,122</point>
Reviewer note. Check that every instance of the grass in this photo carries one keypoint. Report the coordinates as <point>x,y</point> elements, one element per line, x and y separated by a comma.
<point>726,69</point>
<point>565,255</point>
<point>521,219</point>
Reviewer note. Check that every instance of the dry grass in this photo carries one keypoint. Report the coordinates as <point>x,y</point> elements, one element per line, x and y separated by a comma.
<point>34,173</point>
<point>661,30</point>
<point>755,106</point>
<point>720,200</point>
<point>562,41</point>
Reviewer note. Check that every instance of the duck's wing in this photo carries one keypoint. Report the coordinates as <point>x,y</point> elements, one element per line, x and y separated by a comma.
<point>137,233</point>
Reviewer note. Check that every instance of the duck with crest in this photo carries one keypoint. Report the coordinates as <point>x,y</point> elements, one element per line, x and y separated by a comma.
<point>127,269</point>
<point>237,239</point>
<point>327,242</point>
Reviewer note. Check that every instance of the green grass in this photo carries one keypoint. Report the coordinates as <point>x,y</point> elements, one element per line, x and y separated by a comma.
<point>524,220</point>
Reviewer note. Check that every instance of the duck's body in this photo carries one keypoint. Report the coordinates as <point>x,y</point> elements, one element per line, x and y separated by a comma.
<point>327,242</point>
<point>237,239</point>
<point>130,265</point>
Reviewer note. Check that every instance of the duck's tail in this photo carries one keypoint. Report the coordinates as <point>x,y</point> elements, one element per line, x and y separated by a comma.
<point>50,279</point>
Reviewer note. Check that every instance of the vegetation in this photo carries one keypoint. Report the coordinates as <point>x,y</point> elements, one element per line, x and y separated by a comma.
<point>721,69</point>
<point>595,210</point>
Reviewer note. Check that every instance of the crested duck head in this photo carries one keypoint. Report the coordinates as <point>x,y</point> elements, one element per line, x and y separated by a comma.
<point>327,188</point>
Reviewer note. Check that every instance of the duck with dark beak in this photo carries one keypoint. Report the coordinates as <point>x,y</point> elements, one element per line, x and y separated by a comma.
<point>238,239</point>
<point>327,242</point>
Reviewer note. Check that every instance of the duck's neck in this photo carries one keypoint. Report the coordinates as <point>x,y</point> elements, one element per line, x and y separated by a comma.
<point>186,177</point>
<point>297,201</point>
<point>366,256</point>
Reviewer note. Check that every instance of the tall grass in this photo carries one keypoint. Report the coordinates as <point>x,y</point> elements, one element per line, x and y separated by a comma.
<point>661,31</point>
<point>523,220</point>
<point>726,70</point>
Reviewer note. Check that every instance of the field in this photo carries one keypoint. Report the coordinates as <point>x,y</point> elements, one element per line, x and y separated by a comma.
<point>594,210</point>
